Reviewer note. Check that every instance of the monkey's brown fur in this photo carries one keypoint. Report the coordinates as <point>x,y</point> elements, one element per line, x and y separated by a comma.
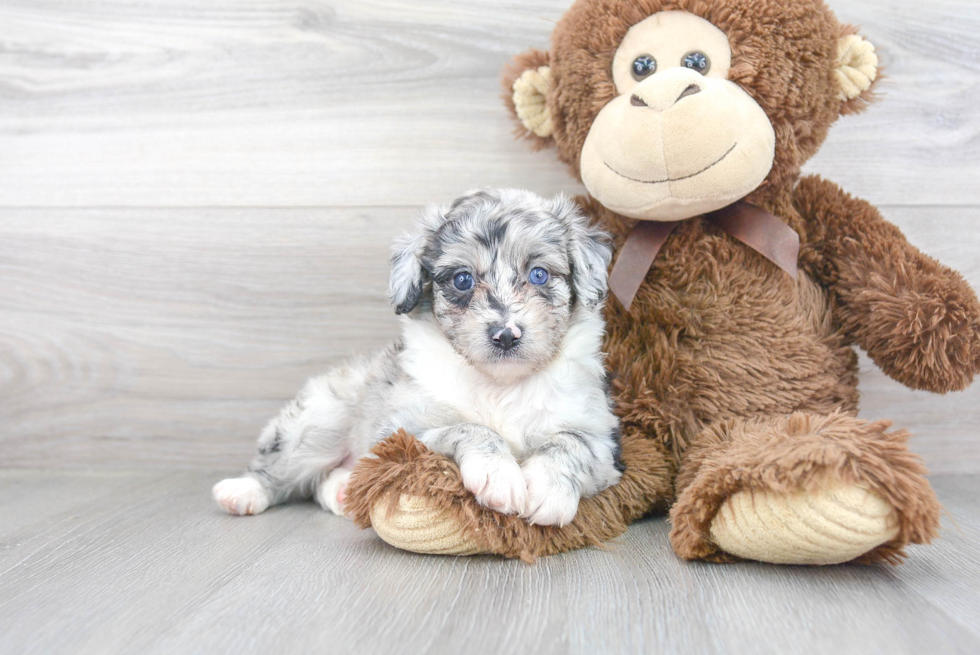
<point>730,375</point>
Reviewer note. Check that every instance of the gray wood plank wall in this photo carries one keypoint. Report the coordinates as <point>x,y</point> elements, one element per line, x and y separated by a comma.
<point>196,199</point>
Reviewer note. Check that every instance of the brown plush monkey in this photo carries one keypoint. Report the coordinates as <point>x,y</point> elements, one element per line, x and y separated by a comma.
<point>688,122</point>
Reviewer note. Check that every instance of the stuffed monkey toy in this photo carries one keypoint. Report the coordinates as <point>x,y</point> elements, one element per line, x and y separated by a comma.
<point>741,290</point>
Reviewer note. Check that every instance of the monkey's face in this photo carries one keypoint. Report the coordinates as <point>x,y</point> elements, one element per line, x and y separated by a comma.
<point>667,109</point>
<point>679,139</point>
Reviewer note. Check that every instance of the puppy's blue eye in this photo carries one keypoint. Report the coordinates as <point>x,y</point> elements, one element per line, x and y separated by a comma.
<point>463,281</point>
<point>538,276</point>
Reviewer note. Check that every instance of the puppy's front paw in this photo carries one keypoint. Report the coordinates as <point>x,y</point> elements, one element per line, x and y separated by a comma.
<point>551,499</point>
<point>497,483</point>
<point>241,496</point>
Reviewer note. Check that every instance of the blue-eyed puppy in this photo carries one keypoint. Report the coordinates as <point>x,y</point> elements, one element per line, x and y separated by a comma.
<point>498,367</point>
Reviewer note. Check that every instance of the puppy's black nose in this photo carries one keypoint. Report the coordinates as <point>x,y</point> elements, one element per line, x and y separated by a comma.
<point>503,337</point>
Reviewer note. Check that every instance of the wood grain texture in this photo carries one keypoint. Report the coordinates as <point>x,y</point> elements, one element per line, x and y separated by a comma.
<point>378,102</point>
<point>146,564</point>
<point>167,337</point>
<point>153,335</point>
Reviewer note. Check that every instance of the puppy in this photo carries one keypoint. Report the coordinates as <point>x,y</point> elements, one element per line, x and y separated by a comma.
<point>498,367</point>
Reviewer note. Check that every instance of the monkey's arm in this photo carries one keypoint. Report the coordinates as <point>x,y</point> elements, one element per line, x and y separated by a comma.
<point>917,319</point>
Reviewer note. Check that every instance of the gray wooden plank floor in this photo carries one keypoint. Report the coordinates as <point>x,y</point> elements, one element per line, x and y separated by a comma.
<point>142,562</point>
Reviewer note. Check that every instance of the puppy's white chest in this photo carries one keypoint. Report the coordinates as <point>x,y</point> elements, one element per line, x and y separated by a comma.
<point>522,413</point>
<point>511,417</point>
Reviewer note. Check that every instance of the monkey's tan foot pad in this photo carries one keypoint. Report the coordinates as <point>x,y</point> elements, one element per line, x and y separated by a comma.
<point>834,523</point>
<point>418,525</point>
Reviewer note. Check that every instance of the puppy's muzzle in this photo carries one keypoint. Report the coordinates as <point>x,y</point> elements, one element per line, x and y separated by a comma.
<point>504,337</point>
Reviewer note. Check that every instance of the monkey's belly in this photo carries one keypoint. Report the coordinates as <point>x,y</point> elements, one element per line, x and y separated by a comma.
<point>698,349</point>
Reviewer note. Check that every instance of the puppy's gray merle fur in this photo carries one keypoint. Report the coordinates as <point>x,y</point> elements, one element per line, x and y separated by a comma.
<point>498,366</point>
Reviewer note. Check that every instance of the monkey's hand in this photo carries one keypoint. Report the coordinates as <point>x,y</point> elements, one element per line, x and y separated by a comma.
<point>926,335</point>
<point>917,319</point>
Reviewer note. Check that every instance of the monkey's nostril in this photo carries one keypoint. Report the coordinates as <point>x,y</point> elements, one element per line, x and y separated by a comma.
<point>637,101</point>
<point>689,91</point>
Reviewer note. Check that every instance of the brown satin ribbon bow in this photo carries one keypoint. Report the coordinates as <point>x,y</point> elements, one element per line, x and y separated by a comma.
<point>752,225</point>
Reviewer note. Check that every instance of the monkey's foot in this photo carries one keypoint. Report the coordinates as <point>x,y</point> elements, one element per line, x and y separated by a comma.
<point>802,489</point>
<point>415,500</point>
<point>832,524</point>
<point>419,525</point>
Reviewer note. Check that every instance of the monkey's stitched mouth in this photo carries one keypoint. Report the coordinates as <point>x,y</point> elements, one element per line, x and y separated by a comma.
<point>674,179</point>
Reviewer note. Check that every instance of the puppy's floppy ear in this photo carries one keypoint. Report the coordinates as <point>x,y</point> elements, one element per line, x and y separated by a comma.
<point>589,251</point>
<point>408,277</point>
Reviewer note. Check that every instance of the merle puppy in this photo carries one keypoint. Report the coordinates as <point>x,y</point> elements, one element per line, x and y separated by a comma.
<point>498,367</point>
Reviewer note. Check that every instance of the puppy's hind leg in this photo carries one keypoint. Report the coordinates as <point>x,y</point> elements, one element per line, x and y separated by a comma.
<point>260,487</point>
<point>295,451</point>
<point>331,491</point>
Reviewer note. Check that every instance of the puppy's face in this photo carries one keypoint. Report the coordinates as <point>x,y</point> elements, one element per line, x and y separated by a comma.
<point>503,270</point>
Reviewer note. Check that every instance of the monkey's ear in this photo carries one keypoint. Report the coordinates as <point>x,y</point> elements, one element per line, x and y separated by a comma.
<point>589,251</point>
<point>855,72</point>
<point>527,83</point>
<point>407,279</point>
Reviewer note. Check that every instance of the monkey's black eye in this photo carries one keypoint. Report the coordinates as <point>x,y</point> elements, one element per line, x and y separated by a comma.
<point>463,281</point>
<point>643,66</point>
<point>697,61</point>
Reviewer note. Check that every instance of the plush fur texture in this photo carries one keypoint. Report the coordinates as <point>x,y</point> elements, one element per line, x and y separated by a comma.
<point>727,372</point>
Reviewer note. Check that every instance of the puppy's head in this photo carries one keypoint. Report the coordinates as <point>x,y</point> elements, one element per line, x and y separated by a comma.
<point>503,272</point>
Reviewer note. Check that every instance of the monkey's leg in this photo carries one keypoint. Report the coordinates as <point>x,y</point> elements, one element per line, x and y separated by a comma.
<point>801,489</point>
<point>415,500</point>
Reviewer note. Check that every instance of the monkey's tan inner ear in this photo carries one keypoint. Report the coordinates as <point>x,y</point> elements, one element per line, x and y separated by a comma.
<point>857,66</point>
<point>531,101</point>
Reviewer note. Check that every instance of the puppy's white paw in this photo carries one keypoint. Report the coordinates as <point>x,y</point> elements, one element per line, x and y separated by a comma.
<point>550,499</point>
<point>497,483</point>
<point>241,496</point>
<point>332,491</point>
